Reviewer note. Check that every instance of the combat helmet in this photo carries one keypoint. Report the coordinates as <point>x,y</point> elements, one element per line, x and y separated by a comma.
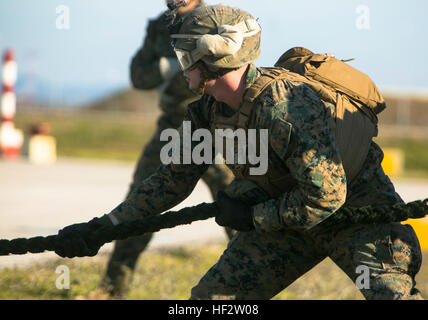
<point>219,36</point>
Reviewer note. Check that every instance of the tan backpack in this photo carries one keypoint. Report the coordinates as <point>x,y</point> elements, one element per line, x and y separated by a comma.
<point>356,97</point>
<point>337,77</point>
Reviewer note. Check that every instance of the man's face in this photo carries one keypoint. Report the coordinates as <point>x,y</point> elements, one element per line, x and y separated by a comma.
<point>190,5</point>
<point>178,1</point>
<point>194,78</point>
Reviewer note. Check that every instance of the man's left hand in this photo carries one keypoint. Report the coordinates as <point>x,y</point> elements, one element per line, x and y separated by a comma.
<point>72,241</point>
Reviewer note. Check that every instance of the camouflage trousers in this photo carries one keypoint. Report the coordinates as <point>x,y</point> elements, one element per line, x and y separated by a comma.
<point>126,252</point>
<point>260,265</point>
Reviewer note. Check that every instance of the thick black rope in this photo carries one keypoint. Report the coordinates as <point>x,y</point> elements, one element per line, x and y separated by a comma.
<point>365,215</point>
<point>122,231</point>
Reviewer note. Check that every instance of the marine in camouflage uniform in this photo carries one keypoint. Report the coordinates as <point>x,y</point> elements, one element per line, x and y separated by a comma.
<point>154,66</point>
<point>283,228</point>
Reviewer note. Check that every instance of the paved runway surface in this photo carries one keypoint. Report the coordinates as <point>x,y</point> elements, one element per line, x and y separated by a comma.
<point>40,200</point>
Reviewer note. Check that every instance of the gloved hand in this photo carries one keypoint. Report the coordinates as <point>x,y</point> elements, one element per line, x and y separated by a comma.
<point>233,213</point>
<point>73,240</point>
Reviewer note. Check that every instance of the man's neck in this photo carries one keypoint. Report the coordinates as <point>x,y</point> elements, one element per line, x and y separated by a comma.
<point>230,88</point>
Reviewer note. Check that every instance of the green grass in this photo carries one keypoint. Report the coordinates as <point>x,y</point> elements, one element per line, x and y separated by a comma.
<point>162,274</point>
<point>95,136</point>
<point>168,274</point>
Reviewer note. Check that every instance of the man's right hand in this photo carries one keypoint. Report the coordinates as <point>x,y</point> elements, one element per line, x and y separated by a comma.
<point>73,240</point>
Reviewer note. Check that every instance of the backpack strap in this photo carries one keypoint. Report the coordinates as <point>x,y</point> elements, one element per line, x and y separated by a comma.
<point>269,76</point>
<point>264,81</point>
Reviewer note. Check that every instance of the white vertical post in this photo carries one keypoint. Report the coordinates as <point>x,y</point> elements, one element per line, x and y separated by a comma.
<point>11,140</point>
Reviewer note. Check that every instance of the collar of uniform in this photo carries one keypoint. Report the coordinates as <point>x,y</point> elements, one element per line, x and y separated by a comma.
<point>252,75</point>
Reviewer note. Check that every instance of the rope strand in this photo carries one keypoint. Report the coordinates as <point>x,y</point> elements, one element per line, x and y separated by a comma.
<point>365,215</point>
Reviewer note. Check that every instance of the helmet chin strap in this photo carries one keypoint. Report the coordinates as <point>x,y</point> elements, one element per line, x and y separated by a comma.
<point>205,77</point>
<point>200,90</point>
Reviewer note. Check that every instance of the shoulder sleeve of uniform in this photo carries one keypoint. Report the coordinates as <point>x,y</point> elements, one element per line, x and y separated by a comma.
<point>200,111</point>
<point>157,25</point>
<point>144,67</point>
<point>308,147</point>
<point>151,29</point>
<point>171,183</point>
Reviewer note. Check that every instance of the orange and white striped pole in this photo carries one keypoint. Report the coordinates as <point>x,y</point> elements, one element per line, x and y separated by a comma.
<point>11,140</point>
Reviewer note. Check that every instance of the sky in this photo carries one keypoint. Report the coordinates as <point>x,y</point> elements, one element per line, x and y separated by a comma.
<point>387,38</point>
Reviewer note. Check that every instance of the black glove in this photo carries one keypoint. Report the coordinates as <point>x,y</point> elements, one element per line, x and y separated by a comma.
<point>233,213</point>
<point>73,241</point>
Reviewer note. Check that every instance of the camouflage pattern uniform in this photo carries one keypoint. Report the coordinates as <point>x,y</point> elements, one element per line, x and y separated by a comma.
<point>292,231</point>
<point>174,98</point>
